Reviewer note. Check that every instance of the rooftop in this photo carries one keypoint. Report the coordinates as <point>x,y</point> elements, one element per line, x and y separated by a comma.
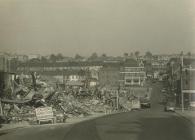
<point>131,63</point>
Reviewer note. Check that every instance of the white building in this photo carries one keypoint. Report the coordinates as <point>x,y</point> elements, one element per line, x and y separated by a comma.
<point>132,74</point>
<point>34,56</point>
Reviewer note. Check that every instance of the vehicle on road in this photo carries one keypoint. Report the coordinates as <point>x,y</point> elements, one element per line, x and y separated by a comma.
<point>145,102</point>
<point>163,90</point>
<point>169,107</point>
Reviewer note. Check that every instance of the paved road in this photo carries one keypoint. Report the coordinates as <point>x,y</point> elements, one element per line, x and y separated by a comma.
<point>150,124</point>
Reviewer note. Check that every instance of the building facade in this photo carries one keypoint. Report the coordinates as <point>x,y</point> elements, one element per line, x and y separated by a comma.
<point>132,74</point>
<point>5,74</point>
<point>181,80</point>
<point>109,75</point>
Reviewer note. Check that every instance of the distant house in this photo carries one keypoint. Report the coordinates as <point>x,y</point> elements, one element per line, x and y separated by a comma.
<point>92,82</point>
<point>75,84</point>
<point>156,64</point>
<point>58,66</point>
<point>159,66</point>
<point>73,78</point>
<point>75,75</point>
<point>132,74</point>
<point>63,71</point>
<point>22,58</point>
<point>34,56</point>
<point>159,63</point>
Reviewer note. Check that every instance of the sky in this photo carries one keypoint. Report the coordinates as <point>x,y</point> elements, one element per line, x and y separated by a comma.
<point>103,26</point>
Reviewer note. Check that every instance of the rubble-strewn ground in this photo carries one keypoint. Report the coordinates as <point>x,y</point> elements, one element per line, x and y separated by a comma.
<point>25,124</point>
<point>148,124</point>
<point>68,103</point>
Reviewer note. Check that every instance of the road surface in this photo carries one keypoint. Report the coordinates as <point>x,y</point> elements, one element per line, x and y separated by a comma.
<point>149,124</point>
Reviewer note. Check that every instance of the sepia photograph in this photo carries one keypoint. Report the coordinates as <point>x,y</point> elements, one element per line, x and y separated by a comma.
<point>97,69</point>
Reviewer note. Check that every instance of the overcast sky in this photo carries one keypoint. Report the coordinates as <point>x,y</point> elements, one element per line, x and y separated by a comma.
<point>103,26</point>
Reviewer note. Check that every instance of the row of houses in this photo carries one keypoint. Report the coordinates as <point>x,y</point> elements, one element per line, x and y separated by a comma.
<point>130,73</point>
<point>153,64</point>
<point>156,65</point>
<point>109,73</point>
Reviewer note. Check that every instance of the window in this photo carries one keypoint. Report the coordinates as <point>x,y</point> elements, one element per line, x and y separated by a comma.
<point>128,81</point>
<point>136,80</point>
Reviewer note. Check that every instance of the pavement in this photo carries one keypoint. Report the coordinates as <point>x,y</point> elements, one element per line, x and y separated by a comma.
<point>24,124</point>
<point>188,115</point>
<point>5,127</point>
<point>147,124</point>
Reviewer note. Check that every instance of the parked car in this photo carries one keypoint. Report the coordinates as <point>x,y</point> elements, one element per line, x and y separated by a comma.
<point>169,107</point>
<point>163,90</point>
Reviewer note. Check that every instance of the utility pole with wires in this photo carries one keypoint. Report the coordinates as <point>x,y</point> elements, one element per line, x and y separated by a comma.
<point>181,80</point>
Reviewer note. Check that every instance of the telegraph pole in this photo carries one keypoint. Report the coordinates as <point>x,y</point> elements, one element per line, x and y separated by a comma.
<point>1,110</point>
<point>117,98</point>
<point>181,79</point>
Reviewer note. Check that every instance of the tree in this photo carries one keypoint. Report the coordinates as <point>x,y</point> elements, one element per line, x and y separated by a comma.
<point>131,55</point>
<point>59,56</point>
<point>53,57</point>
<point>125,54</point>
<point>78,57</point>
<point>43,59</point>
<point>189,54</point>
<point>93,56</point>
<point>148,54</point>
<point>137,54</point>
<point>34,60</point>
<point>104,55</point>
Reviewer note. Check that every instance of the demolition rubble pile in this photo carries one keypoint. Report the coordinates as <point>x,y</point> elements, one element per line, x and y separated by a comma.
<point>24,98</point>
<point>28,93</point>
<point>73,106</point>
